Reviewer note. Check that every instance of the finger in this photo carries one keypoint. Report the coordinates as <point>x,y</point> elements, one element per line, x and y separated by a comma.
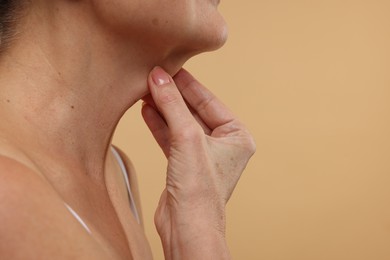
<point>169,101</point>
<point>149,100</point>
<point>157,127</point>
<point>205,127</point>
<point>212,111</point>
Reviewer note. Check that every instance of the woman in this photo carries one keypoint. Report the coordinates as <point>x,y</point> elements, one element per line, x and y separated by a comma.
<point>68,71</point>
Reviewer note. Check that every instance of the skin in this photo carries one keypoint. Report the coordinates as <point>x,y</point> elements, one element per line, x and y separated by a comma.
<point>66,80</point>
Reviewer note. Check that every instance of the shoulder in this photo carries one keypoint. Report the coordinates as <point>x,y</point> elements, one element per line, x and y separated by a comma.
<point>19,183</point>
<point>22,197</point>
<point>23,188</point>
<point>33,222</point>
<point>15,177</point>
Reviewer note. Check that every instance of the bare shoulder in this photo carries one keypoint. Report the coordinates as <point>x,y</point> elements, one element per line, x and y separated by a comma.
<point>131,172</point>
<point>17,181</point>
<point>33,222</point>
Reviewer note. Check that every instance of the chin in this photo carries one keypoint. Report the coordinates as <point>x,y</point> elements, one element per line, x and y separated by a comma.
<point>206,40</point>
<point>203,42</point>
<point>213,42</point>
<point>211,38</point>
<point>178,58</point>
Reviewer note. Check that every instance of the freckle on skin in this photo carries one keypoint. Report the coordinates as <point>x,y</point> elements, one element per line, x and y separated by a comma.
<point>72,107</point>
<point>8,100</point>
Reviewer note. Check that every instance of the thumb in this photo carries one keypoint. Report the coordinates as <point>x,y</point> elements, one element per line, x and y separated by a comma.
<point>169,101</point>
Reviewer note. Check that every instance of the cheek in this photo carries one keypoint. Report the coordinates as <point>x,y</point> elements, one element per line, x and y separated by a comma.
<point>188,25</point>
<point>122,15</point>
<point>132,16</point>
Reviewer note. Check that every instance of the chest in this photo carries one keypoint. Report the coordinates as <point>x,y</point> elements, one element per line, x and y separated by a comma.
<point>108,215</point>
<point>134,235</point>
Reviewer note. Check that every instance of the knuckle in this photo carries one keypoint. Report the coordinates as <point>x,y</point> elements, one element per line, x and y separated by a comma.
<point>248,141</point>
<point>250,144</point>
<point>204,103</point>
<point>189,133</point>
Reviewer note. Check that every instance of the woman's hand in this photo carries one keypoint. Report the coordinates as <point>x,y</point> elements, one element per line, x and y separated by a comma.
<point>207,150</point>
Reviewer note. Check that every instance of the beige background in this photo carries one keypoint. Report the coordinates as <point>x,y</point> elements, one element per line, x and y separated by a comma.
<point>311,79</point>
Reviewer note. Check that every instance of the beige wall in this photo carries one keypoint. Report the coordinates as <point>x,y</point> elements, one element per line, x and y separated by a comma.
<point>311,79</point>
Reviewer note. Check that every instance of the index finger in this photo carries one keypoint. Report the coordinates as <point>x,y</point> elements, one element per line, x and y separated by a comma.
<point>211,110</point>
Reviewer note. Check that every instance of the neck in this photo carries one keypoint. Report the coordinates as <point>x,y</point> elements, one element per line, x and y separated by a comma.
<point>64,90</point>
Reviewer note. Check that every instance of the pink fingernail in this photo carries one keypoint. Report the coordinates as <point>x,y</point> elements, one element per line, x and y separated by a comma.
<point>160,77</point>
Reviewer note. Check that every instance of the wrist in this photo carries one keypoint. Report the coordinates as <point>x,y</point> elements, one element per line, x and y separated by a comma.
<point>196,243</point>
<point>195,236</point>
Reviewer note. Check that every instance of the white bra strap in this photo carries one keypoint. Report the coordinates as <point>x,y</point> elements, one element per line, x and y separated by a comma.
<point>78,218</point>
<point>124,172</point>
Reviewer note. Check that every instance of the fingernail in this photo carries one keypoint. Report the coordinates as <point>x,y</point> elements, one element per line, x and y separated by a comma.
<point>160,77</point>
